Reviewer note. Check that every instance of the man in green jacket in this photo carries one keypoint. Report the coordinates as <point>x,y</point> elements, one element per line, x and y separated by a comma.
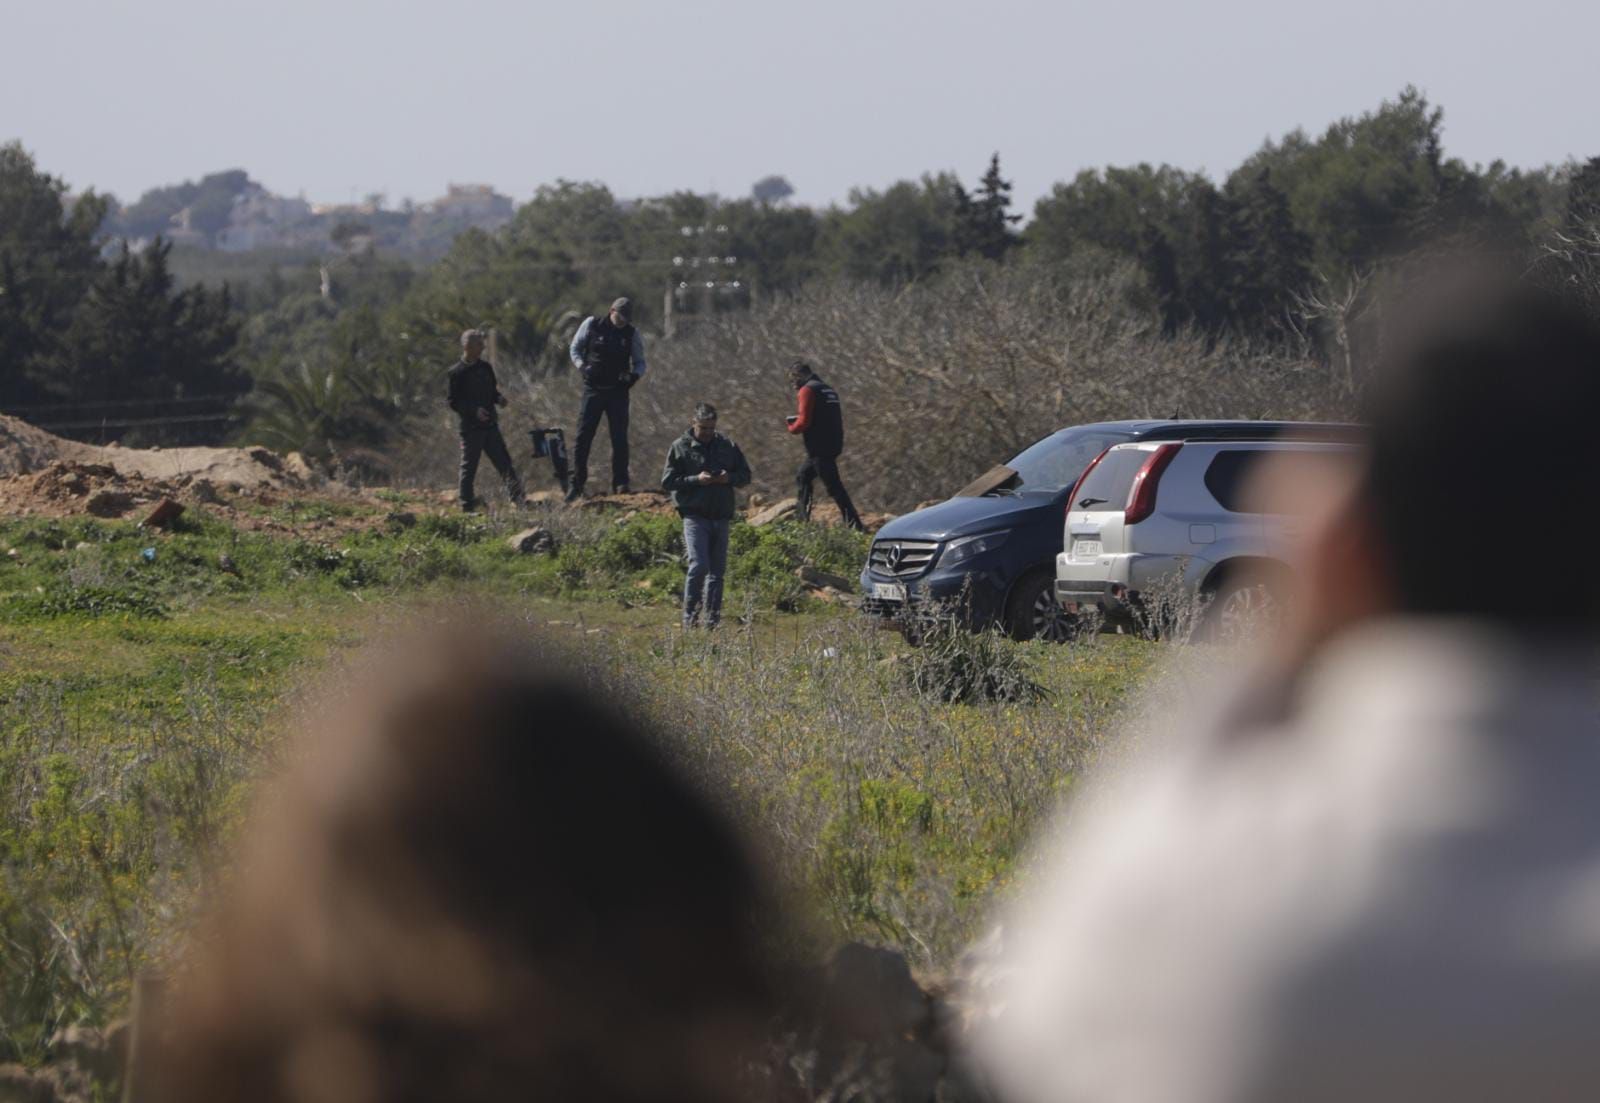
<point>702,468</point>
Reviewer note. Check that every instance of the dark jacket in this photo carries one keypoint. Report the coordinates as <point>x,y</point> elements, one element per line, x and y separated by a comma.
<point>820,418</point>
<point>612,355</point>
<point>473,387</point>
<point>687,458</point>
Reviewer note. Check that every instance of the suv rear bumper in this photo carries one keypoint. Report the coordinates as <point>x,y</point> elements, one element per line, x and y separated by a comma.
<point>1113,583</point>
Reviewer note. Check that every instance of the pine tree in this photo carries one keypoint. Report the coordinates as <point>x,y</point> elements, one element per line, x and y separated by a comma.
<point>983,224</point>
<point>1583,198</point>
<point>1271,256</point>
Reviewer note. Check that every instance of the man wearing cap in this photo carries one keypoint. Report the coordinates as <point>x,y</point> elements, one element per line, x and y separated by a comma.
<point>702,468</point>
<point>819,421</point>
<point>609,353</point>
<point>473,394</point>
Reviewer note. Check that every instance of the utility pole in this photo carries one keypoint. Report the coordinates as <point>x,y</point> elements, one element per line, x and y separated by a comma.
<point>706,269</point>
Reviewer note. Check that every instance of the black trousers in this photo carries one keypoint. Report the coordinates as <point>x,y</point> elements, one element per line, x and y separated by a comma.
<point>485,440</point>
<point>612,404</point>
<point>827,468</point>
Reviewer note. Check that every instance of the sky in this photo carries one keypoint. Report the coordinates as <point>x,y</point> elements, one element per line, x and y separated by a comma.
<point>335,99</point>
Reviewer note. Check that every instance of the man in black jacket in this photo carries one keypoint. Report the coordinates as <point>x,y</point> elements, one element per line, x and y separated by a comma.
<point>473,395</point>
<point>819,421</point>
<point>702,468</point>
<point>609,353</point>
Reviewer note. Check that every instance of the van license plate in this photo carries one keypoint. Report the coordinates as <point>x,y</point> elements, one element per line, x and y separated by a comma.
<point>888,591</point>
<point>1085,549</point>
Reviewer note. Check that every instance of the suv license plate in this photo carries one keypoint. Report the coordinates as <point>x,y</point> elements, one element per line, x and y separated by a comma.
<point>888,591</point>
<point>1085,549</point>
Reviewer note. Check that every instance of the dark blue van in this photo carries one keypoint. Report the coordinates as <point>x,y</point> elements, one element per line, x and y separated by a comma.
<point>990,551</point>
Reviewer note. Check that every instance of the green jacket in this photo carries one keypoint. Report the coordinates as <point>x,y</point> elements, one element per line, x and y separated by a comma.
<point>687,458</point>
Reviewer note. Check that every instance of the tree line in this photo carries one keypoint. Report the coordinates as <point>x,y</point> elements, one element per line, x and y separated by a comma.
<point>335,356</point>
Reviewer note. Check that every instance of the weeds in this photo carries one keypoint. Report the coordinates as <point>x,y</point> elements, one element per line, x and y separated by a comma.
<point>958,666</point>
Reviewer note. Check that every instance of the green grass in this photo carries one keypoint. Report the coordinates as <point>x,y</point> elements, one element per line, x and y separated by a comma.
<point>143,695</point>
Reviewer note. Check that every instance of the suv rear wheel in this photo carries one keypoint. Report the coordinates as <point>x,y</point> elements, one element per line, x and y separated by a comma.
<point>1033,613</point>
<point>1245,605</point>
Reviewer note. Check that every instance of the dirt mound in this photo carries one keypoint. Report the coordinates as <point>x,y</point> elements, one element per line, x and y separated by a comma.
<point>25,449</point>
<point>64,487</point>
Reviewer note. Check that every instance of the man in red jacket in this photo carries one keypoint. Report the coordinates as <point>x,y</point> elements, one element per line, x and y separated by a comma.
<point>819,421</point>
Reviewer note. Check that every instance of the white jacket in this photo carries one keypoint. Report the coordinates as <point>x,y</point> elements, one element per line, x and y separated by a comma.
<point>1392,896</point>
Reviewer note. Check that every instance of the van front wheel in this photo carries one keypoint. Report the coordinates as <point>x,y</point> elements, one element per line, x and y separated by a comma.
<point>1033,613</point>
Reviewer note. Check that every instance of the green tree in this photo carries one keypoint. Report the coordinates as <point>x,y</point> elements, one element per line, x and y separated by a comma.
<point>896,235</point>
<point>135,336</point>
<point>1271,256</point>
<point>984,224</point>
<point>48,260</point>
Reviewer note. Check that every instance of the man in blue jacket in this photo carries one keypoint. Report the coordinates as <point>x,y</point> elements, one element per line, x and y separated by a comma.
<point>702,468</point>
<point>609,353</point>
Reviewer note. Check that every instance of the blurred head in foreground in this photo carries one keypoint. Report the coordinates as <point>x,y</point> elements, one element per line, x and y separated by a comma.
<point>478,883</point>
<point>1376,875</point>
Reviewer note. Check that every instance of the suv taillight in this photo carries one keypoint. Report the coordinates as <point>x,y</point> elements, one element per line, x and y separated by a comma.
<point>1142,494</point>
<point>1077,486</point>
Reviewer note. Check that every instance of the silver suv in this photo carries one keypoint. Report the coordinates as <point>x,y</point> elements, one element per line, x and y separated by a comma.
<point>1174,515</point>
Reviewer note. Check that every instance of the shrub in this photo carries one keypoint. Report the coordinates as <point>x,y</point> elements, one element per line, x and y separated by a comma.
<point>958,666</point>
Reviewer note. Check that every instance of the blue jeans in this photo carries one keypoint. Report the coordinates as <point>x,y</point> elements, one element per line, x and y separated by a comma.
<point>706,543</point>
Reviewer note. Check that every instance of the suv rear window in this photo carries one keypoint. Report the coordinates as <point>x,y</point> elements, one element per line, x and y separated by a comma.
<point>1111,480</point>
<point>1231,477</point>
<point>1227,476</point>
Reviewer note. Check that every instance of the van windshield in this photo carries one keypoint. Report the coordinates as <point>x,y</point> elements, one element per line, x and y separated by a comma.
<point>1055,462</point>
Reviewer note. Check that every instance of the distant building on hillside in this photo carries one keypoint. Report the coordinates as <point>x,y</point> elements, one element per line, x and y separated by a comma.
<point>477,205</point>
<point>261,220</point>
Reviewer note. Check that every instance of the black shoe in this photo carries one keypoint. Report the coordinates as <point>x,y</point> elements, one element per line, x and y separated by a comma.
<point>472,506</point>
<point>574,494</point>
<point>621,489</point>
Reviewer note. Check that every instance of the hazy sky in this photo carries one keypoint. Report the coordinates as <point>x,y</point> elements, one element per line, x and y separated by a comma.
<point>341,97</point>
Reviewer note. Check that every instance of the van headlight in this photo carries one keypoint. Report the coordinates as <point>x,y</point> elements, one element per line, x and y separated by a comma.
<point>959,551</point>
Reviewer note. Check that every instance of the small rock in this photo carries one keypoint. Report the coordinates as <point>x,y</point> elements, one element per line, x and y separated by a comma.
<point>644,584</point>
<point>82,545</point>
<point>816,579</point>
<point>534,541</point>
<point>73,482</point>
<point>295,465</point>
<point>594,632</point>
<point>109,503</point>
<point>398,519</point>
<point>776,512</point>
<point>165,512</point>
<point>204,491</point>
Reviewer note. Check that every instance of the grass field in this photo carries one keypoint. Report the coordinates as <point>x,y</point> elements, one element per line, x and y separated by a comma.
<point>149,681</point>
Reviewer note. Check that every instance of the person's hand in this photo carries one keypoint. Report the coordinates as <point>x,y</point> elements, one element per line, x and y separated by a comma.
<point>704,477</point>
<point>633,377</point>
<point>483,415</point>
